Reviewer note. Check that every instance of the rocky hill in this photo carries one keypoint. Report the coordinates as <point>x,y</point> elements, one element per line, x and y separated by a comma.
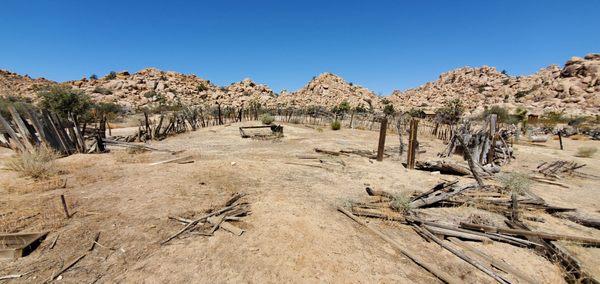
<point>329,90</point>
<point>15,85</point>
<point>574,89</point>
<point>246,92</point>
<point>150,87</point>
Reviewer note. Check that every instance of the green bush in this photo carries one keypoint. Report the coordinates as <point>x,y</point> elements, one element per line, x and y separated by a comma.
<point>451,112</point>
<point>111,75</point>
<point>388,109</point>
<point>336,125</point>
<point>102,90</point>
<point>499,111</point>
<point>202,87</point>
<point>416,112</point>
<point>93,77</point>
<point>267,119</point>
<point>63,100</point>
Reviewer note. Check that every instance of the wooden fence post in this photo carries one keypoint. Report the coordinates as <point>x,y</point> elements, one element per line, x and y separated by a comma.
<point>412,144</point>
<point>560,139</point>
<point>382,131</point>
<point>491,153</point>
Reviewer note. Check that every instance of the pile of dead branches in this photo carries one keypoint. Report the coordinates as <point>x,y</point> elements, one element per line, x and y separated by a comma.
<point>232,211</point>
<point>558,168</point>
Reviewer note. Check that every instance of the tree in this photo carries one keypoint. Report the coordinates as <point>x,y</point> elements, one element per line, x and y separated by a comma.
<point>93,77</point>
<point>63,99</point>
<point>389,110</point>
<point>451,112</point>
<point>341,109</point>
<point>499,111</point>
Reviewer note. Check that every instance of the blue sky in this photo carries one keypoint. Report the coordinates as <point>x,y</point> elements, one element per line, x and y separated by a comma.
<point>382,45</point>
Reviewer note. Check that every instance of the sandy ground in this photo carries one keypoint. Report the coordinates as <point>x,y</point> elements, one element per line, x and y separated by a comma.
<point>294,233</point>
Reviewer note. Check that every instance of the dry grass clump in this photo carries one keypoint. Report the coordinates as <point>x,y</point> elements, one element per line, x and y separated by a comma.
<point>586,152</point>
<point>38,164</point>
<point>515,182</point>
<point>267,119</point>
<point>131,155</point>
<point>401,203</point>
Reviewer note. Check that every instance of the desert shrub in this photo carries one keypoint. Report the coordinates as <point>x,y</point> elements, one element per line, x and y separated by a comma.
<point>416,112</point>
<point>400,203</point>
<point>515,182</point>
<point>451,112</point>
<point>111,75</point>
<point>336,125</point>
<point>360,109</point>
<point>149,94</point>
<point>202,87</point>
<point>500,112</point>
<point>63,100</point>
<point>389,109</point>
<point>521,94</point>
<point>295,120</point>
<point>37,164</point>
<point>341,109</point>
<point>103,91</point>
<point>266,119</point>
<point>586,152</point>
<point>17,102</point>
<point>93,77</point>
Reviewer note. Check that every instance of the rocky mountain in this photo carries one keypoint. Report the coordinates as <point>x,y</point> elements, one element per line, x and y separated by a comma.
<point>329,90</point>
<point>574,89</point>
<point>15,85</point>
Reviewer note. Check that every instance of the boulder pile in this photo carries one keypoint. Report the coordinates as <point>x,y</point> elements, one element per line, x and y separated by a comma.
<point>574,89</point>
<point>328,90</point>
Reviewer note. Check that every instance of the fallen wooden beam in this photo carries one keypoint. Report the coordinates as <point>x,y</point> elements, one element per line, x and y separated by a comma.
<point>546,236</point>
<point>373,192</point>
<point>225,225</point>
<point>466,258</point>
<point>440,196</point>
<point>66,267</point>
<point>588,222</point>
<point>440,274</point>
<point>174,160</point>
<point>496,263</point>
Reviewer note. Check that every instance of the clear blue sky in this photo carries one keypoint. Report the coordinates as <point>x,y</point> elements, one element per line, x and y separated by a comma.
<point>382,45</point>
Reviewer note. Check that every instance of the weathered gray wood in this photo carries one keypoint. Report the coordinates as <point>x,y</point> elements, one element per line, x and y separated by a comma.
<point>466,258</point>
<point>25,135</point>
<point>496,263</point>
<point>439,196</point>
<point>13,135</point>
<point>440,274</point>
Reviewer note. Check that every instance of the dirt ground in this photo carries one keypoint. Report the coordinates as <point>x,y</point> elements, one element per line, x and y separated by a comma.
<point>294,233</point>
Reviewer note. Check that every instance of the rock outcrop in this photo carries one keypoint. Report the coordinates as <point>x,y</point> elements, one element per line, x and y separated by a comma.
<point>15,85</point>
<point>574,89</point>
<point>329,90</point>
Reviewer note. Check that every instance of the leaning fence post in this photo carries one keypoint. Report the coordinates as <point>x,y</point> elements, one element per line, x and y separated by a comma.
<point>381,147</point>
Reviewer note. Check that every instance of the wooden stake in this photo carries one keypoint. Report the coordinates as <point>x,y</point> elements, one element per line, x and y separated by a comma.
<point>493,120</point>
<point>412,144</point>
<point>64,204</point>
<point>560,140</point>
<point>381,147</point>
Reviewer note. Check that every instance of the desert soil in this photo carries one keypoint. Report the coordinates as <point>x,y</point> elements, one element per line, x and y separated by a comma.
<point>294,233</point>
